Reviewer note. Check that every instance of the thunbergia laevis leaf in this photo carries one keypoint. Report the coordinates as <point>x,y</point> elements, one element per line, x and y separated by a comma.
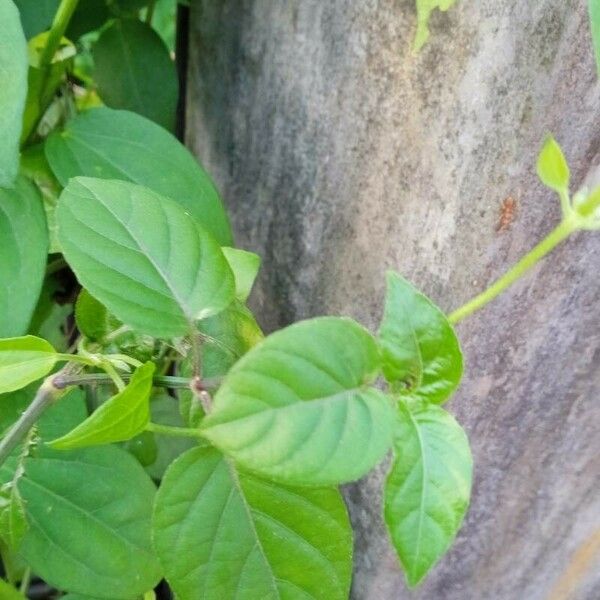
<point>142,256</point>
<point>428,487</point>
<point>299,408</point>
<point>421,353</point>
<point>23,360</point>
<point>221,533</point>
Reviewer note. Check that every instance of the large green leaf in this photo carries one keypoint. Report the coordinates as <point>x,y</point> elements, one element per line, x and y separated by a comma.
<point>421,354</point>
<point>89,512</point>
<point>122,145</point>
<point>13,89</point>
<point>224,534</point>
<point>120,418</point>
<point>142,256</point>
<point>24,360</point>
<point>24,246</point>
<point>298,407</point>
<point>594,6</point>
<point>424,10</point>
<point>122,55</point>
<point>427,490</point>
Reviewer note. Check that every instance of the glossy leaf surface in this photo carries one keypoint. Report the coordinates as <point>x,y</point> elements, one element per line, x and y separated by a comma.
<point>115,144</point>
<point>13,89</point>
<point>420,350</point>
<point>120,418</point>
<point>24,360</point>
<point>298,408</point>
<point>142,256</point>
<point>222,534</point>
<point>122,56</point>
<point>23,251</point>
<point>428,488</point>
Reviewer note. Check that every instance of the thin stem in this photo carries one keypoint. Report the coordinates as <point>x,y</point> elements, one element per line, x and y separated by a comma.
<point>57,31</point>
<point>56,265</point>
<point>134,362</point>
<point>78,358</point>
<point>168,381</point>
<point>114,376</point>
<point>45,397</point>
<point>173,431</point>
<point>25,581</point>
<point>555,237</point>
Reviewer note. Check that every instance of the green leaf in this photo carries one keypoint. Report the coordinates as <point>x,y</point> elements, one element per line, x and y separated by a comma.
<point>222,534</point>
<point>552,168</point>
<point>88,16</point>
<point>13,523</point>
<point>297,408</point>
<point>122,417</point>
<point>13,88</point>
<point>427,490</point>
<point>98,494</point>
<point>23,255</point>
<point>424,10</point>
<point>24,360</point>
<point>8,592</point>
<point>142,256</point>
<point>245,266</point>
<point>91,317</point>
<point>122,145</point>
<point>419,347</point>
<point>121,58</point>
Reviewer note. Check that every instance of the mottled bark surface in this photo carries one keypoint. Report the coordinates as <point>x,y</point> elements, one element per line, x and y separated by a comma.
<point>340,154</point>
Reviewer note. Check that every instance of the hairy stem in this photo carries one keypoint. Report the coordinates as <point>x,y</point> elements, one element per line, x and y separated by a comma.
<point>555,237</point>
<point>57,31</point>
<point>44,398</point>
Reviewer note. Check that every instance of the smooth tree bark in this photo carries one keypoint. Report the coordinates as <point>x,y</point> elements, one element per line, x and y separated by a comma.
<point>341,154</point>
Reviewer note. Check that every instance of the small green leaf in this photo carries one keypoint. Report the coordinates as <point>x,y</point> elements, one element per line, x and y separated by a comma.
<point>222,534</point>
<point>552,168</point>
<point>298,407</point>
<point>13,89</point>
<point>142,256</point>
<point>594,8</point>
<point>8,592</point>
<point>23,250</point>
<point>118,419</point>
<point>24,360</point>
<point>419,347</point>
<point>428,488</point>
<point>91,317</point>
<point>245,266</point>
<point>13,523</point>
<point>99,494</point>
<point>113,144</point>
<point>424,10</point>
<point>121,58</point>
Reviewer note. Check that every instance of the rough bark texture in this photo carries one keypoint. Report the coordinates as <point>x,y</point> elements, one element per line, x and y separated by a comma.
<point>340,154</point>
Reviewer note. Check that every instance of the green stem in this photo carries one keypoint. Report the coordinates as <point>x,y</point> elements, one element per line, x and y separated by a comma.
<point>168,381</point>
<point>25,581</point>
<point>555,237</point>
<point>187,432</point>
<point>57,31</point>
<point>150,12</point>
<point>56,265</point>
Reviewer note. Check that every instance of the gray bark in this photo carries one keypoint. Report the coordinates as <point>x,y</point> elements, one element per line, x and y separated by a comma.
<point>340,154</point>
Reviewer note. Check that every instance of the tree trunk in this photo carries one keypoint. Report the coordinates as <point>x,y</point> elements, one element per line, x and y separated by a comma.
<point>341,154</point>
